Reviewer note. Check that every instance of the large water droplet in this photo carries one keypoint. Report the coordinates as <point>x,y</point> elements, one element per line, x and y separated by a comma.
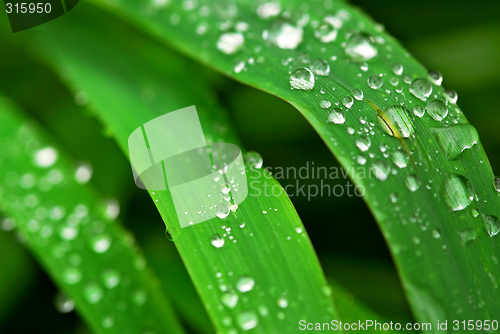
<point>335,117</point>
<point>419,111</point>
<point>217,240</point>
<point>412,182</point>
<point>381,170</point>
<point>455,139</point>
<point>360,47</point>
<point>230,43</point>
<point>375,81</point>
<point>247,320</point>
<point>245,284</point>
<point>320,67</point>
<point>284,35</point>
<point>421,88</point>
<point>395,121</point>
<point>491,225</point>
<point>437,109</point>
<point>457,192</point>
<point>302,78</point>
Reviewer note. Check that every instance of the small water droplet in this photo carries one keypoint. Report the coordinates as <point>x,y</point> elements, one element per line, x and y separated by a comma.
<point>466,236</point>
<point>230,43</point>
<point>93,293</point>
<point>245,284</point>
<point>475,213</point>
<point>496,183</point>
<point>393,197</point>
<point>139,297</point>
<point>491,225</point>
<point>419,111</point>
<point>347,101</point>
<point>326,33</point>
<point>457,192</point>
<point>375,81</point>
<point>108,322</point>
<point>399,158</point>
<point>451,95</point>
<point>325,104</point>
<point>397,68</point>
<point>436,234</point>
<point>269,9</point>
<point>284,35</point>
<point>217,240</point>
<point>253,159</point>
<point>302,78</point>
<point>358,94</point>
<point>421,88</point>
<point>83,173</point>
<point>360,47</point>
<point>335,117</point>
<point>222,210</point>
<point>230,299</point>
<point>63,304</point>
<point>111,278</point>
<point>225,188</point>
<point>282,302</point>
<point>436,77</point>
<point>412,182</point>
<point>363,143</point>
<point>381,169</point>
<point>320,67</point>
<point>101,243</point>
<point>46,157</point>
<point>437,109</point>
<point>247,320</point>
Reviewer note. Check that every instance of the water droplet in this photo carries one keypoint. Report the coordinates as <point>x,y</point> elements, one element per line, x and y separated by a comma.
<point>496,183</point>
<point>466,236</point>
<point>81,98</point>
<point>395,121</point>
<point>83,173</point>
<point>112,208</point>
<point>397,69</point>
<point>263,311</point>
<point>415,240</point>
<point>394,81</point>
<point>245,284</point>
<point>360,47</point>
<point>347,101</point>
<point>335,116</point>
<point>320,67</point>
<point>363,143</point>
<point>269,9</point>
<point>247,320</point>
<point>240,66</point>
<point>282,302</point>
<point>491,225</point>
<point>63,304</point>
<point>108,322</point>
<point>436,234</point>
<point>436,77</point>
<point>298,230</point>
<point>46,157</point>
<point>437,109</point>
<point>451,95</point>
<point>225,188</point>
<point>93,293</point>
<point>375,81</point>
<point>111,278</point>
<point>457,192</point>
<point>421,88</point>
<point>302,78</point>
<point>101,243</point>
<point>284,35</point>
<point>393,197</point>
<point>455,139</point>
<point>358,94</point>
<point>7,224</point>
<point>326,33</point>
<point>168,235</point>
<point>69,233</point>
<point>139,297</point>
<point>475,213</point>
<point>412,182</point>
<point>253,159</point>
<point>230,43</point>
<point>325,104</point>
<point>222,210</point>
<point>217,241</point>
<point>230,299</point>
<point>381,169</point>
<point>419,111</point>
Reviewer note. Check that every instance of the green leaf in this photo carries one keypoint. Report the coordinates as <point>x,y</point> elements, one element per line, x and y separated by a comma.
<point>90,257</point>
<point>443,242</point>
<point>130,81</point>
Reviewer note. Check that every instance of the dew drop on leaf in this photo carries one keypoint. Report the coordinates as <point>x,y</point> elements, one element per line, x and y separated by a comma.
<point>360,47</point>
<point>347,101</point>
<point>335,117</point>
<point>284,35</point>
<point>111,278</point>
<point>283,302</point>
<point>320,67</point>
<point>230,299</point>
<point>93,293</point>
<point>358,94</point>
<point>455,139</point>
<point>222,210</point>
<point>363,143</point>
<point>253,159</point>
<point>437,109</point>
<point>101,243</point>
<point>269,9</point>
<point>397,68</point>
<point>217,240</point>
<point>375,81</point>
<point>451,95</point>
<point>381,170</point>
<point>491,225</point>
<point>419,111</point>
<point>421,88</point>
<point>412,182</point>
<point>245,284</point>
<point>46,157</point>
<point>399,158</point>
<point>302,78</point>
<point>395,121</point>
<point>457,192</point>
<point>63,304</point>
<point>230,43</point>
<point>247,320</point>
<point>435,76</point>
<point>325,104</point>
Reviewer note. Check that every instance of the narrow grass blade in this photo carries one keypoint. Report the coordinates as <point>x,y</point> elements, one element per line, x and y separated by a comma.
<point>90,257</point>
<point>426,177</point>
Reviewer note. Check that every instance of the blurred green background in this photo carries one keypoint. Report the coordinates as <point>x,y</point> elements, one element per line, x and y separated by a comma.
<point>459,38</point>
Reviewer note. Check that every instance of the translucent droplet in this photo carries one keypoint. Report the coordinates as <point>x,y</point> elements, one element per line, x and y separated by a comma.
<point>399,158</point>
<point>225,188</point>
<point>139,297</point>
<point>245,284</point>
<point>455,139</point>
<point>240,66</point>
<point>475,213</point>
<point>397,69</point>
<point>451,95</point>
<point>230,43</point>
<point>496,183</point>
<point>320,67</point>
<point>326,33</point>
<point>375,81</point>
<point>269,9</point>
<point>358,94</point>
<point>168,235</point>
<point>421,88</point>
<point>412,182</point>
<point>360,47</point>
<point>7,224</point>
<point>393,197</point>
<point>436,234</point>
<point>347,101</point>
<point>263,311</point>
<point>83,173</point>
<point>436,77</point>
<point>112,208</point>
<point>298,230</point>
<point>247,320</point>
<point>457,192</point>
<point>363,143</point>
<point>394,81</point>
<point>217,241</point>
<point>335,117</point>
<point>108,322</point>
<point>93,293</point>
<point>46,157</point>
<point>111,278</point>
<point>253,159</point>
<point>437,109</point>
<point>282,302</point>
<point>63,304</point>
<point>419,111</point>
<point>69,233</point>
<point>325,104</point>
<point>415,240</point>
<point>466,236</point>
<point>284,35</point>
<point>381,170</point>
<point>302,78</point>
<point>395,121</point>
<point>101,243</point>
<point>491,225</point>
<point>230,299</point>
